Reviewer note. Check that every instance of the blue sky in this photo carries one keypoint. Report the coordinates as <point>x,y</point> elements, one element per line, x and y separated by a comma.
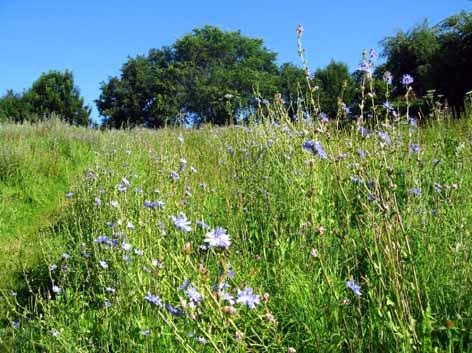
<point>94,38</point>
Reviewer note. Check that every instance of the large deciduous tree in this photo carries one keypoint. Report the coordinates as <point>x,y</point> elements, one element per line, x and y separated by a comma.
<point>438,57</point>
<point>208,75</point>
<point>52,92</point>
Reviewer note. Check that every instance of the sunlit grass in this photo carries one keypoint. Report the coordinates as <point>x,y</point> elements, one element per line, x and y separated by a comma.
<point>300,227</point>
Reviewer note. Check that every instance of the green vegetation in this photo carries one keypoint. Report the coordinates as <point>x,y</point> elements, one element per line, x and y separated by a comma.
<point>37,166</point>
<point>292,231</point>
<point>221,77</point>
<point>53,92</point>
<point>381,211</point>
<point>439,57</point>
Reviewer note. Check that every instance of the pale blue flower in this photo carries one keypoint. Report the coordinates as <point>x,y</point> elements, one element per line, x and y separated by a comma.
<point>153,299</point>
<point>218,238</point>
<point>248,298</point>
<point>407,80</point>
<point>352,285</point>
<point>182,223</point>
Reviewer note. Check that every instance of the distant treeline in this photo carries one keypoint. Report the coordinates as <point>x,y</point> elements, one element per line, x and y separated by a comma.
<point>210,75</point>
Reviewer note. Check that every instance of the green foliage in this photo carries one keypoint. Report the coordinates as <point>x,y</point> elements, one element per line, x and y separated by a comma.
<point>208,75</point>
<point>52,92</point>
<point>14,108</point>
<point>300,228</point>
<point>438,57</point>
<point>335,85</point>
<point>37,166</point>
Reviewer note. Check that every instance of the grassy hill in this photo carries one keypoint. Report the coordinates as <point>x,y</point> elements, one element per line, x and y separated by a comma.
<point>265,238</point>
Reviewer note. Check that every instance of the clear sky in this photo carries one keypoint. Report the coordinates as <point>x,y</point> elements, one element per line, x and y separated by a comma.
<point>94,38</point>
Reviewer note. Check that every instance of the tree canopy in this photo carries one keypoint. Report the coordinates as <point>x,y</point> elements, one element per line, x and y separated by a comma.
<point>52,92</point>
<point>438,57</point>
<point>208,75</point>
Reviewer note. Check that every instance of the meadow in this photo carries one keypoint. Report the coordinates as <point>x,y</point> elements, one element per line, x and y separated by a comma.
<point>279,236</point>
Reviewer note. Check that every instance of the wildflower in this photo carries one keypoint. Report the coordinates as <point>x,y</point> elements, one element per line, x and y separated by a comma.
<point>66,256</point>
<point>315,148</point>
<point>114,203</point>
<point>384,137</point>
<point>345,108</point>
<point>202,224</point>
<point>55,333</point>
<point>174,311</point>
<point>153,299</point>
<point>407,80</point>
<point>145,333</point>
<point>248,298</point>
<point>193,169</point>
<point>157,263</point>
<point>103,239</point>
<point>227,297</point>
<point>110,290</point>
<point>182,223</point>
<point>56,289</point>
<point>291,350</point>
<point>103,264</point>
<point>184,285</point>
<point>183,164</point>
<point>414,148</point>
<point>126,246</point>
<point>181,139</point>
<point>69,194</point>
<point>130,226</point>
<point>98,202</point>
<point>356,179</point>
<point>314,252</point>
<point>365,67</point>
<point>201,340</point>
<point>388,107</point>
<point>437,187</point>
<point>15,324</point>
<point>218,238</point>
<point>107,304</point>
<point>138,252</point>
<point>351,284</point>
<point>153,204</point>
<point>324,117</point>
<point>413,122</point>
<point>192,293</point>
<point>174,176</point>
<point>361,153</point>
<point>364,132</point>
<point>415,191</point>
<point>388,77</point>
<point>52,267</point>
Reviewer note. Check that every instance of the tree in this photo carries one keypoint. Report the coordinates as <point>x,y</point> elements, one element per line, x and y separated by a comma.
<point>334,82</point>
<point>413,52</point>
<point>55,92</point>
<point>208,75</point>
<point>438,57</point>
<point>14,108</point>
<point>293,87</point>
<point>453,70</point>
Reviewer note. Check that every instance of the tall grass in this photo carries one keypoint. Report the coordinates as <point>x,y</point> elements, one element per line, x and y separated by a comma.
<point>395,221</point>
<point>37,166</point>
